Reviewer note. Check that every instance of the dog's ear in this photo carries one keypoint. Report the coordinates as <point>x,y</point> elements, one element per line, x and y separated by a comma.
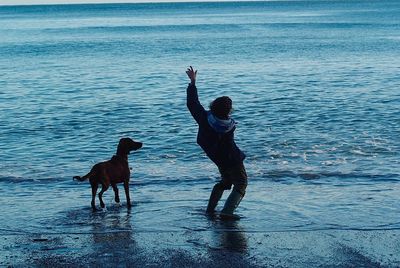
<point>123,147</point>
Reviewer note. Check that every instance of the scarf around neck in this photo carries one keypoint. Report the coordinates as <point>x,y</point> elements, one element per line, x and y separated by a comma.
<point>220,125</point>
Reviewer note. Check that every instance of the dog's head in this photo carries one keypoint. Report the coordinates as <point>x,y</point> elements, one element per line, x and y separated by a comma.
<point>126,145</point>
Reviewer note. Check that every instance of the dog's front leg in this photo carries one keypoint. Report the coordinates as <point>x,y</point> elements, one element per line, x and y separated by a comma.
<point>103,189</point>
<point>128,199</point>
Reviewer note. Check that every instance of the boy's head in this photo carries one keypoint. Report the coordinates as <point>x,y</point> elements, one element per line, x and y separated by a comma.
<point>221,107</point>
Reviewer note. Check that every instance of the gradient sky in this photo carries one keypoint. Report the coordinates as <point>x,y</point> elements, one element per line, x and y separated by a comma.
<point>32,2</point>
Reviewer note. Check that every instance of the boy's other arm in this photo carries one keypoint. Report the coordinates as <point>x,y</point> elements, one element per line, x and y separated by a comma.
<point>192,99</point>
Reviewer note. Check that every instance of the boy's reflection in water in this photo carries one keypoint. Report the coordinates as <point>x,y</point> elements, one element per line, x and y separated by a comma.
<point>230,235</point>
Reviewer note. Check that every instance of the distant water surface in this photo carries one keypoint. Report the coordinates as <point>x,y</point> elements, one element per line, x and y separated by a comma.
<point>316,92</point>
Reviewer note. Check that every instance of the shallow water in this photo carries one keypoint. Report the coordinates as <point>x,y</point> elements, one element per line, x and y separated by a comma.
<point>315,91</point>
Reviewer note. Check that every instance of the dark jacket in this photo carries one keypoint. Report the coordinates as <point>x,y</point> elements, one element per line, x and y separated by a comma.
<point>215,136</point>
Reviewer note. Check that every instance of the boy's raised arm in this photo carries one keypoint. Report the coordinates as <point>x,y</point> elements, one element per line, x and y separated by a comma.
<point>192,99</point>
<point>192,75</point>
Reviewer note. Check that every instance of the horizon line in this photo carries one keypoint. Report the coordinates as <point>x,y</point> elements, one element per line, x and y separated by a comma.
<point>41,3</point>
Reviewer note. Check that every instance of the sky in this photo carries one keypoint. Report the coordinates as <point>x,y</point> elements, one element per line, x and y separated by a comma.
<point>34,2</point>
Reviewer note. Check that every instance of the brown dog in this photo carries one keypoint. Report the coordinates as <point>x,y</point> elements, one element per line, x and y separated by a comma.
<point>111,172</point>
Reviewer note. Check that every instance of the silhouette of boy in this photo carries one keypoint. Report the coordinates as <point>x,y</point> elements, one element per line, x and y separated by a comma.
<point>216,137</point>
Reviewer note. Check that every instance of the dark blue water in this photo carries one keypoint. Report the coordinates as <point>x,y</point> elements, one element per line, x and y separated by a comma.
<point>316,92</point>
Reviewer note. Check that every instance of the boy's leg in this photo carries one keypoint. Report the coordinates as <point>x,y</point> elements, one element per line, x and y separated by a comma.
<point>239,189</point>
<point>231,204</point>
<point>215,196</point>
<point>218,190</point>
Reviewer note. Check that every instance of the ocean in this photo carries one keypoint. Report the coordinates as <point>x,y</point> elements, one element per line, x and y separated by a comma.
<point>315,89</point>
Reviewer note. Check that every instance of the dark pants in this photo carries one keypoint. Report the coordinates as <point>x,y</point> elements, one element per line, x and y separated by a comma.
<point>235,176</point>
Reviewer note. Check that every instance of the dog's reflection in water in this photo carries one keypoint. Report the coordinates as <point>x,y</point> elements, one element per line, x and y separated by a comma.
<point>112,230</point>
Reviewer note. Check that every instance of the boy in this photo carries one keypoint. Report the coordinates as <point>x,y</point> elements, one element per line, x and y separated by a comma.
<point>216,138</point>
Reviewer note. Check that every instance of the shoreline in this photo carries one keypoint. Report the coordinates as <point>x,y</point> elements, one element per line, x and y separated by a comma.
<point>209,248</point>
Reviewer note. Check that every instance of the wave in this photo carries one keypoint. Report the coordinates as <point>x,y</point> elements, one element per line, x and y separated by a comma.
<point>287,174</point>
<point>33,179</point>
<point>145,28</point>
<point>16,232</point>
<point>143,180</point>
<point>200,27</point>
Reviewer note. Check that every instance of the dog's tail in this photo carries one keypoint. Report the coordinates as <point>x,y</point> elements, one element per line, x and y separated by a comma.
<point>79,178</point>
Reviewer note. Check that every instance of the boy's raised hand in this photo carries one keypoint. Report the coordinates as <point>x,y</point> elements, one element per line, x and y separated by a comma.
<point>192,75</point>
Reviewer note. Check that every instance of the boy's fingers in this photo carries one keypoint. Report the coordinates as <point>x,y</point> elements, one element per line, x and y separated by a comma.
<point>190,71</point>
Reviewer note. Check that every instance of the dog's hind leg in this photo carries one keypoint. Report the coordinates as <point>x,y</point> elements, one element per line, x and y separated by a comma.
<point>128,199</point>
<point>103,189</point>
<point>115,188</point>
<point>94,192</point>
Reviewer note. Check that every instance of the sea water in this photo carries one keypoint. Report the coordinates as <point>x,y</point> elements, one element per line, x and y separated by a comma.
<point>316,95</point>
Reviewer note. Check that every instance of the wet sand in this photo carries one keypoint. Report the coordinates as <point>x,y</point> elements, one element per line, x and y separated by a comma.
<point>168,232</point>
<point>215,247</point>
